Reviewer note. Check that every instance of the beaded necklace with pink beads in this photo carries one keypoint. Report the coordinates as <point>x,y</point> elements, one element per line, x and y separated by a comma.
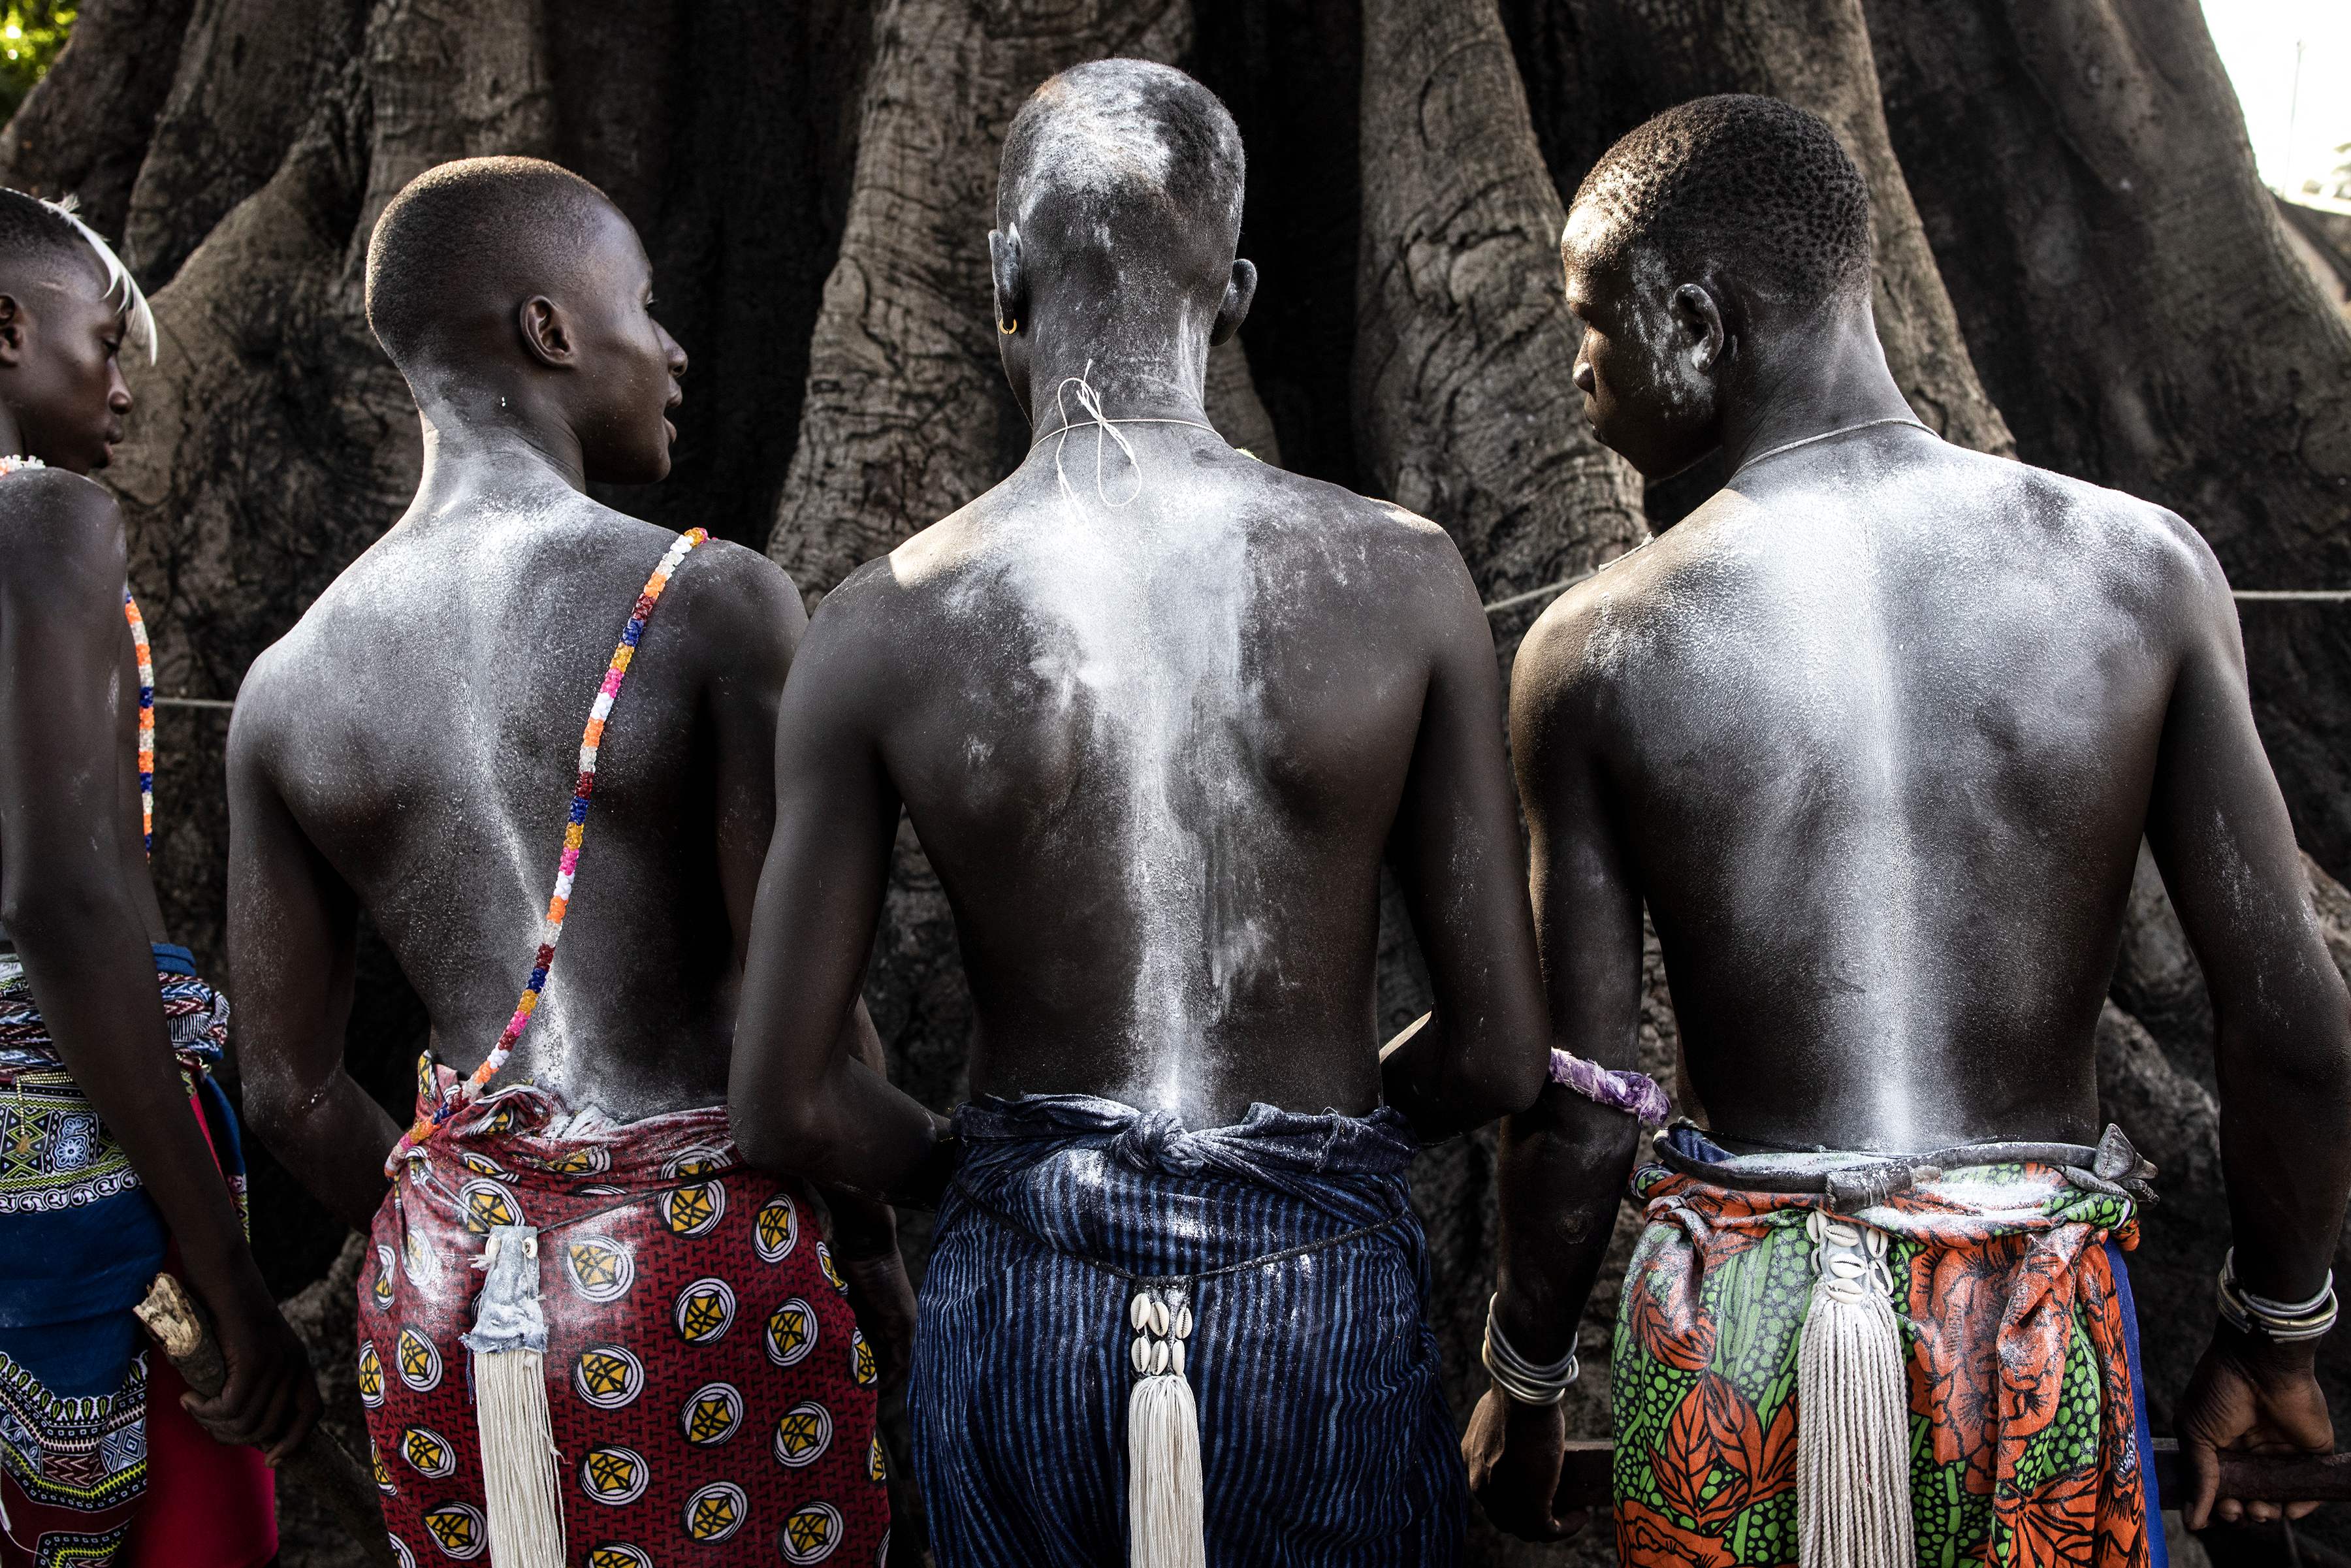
<point>15,464</point>
<point>567,866</point>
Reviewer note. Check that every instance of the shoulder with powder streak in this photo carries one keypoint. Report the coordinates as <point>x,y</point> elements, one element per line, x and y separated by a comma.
<point>1617,591</point>
<point>1412,550</point>
<point>2131,552</point>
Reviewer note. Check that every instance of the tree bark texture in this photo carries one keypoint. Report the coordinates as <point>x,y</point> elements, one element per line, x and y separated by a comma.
<point>1467,415</point>
<point>815,184</point>
<point>2130,300</point>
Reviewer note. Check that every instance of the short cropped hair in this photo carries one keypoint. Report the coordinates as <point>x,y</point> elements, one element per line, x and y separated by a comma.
<point>33,230</point>
<point>1148,146</point>
<point>460,227</point>
<point>1750,178</point>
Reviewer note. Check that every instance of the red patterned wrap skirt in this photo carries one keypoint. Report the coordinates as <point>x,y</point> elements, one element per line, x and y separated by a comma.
<point>712,1401</point>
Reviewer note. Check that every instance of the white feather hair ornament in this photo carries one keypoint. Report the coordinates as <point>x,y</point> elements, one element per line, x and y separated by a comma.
<point>138,320</point>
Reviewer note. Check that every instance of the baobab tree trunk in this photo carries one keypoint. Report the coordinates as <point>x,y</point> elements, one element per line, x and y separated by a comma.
<point>2130,300</point>
<point>1466,408</point>
<point>814,184</point>
<point>86,130</point>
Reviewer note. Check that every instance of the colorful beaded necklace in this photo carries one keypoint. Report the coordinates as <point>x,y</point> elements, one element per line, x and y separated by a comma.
<point>146,685</point>
<point>146,719</point>
<point>567,866</point>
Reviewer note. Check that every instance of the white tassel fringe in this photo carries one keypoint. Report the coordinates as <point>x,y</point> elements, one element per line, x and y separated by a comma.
<point>518,1460</point>
<point>1853,1441</point>
<point>1164,1522</point>
<point>1164,1513</point>
<point>520,1463</point>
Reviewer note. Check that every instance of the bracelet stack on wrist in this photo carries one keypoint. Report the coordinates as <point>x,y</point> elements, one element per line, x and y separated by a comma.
<point>1517,1376</point>
<point>2284,1322</point>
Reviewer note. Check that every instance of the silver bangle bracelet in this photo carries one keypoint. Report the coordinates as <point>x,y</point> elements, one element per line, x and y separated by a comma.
<point>2269,1307</point>
<point>2282,1322</point>
<point>1523,1380</point>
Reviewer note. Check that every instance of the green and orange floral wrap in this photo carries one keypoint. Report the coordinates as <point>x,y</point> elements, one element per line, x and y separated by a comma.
<point>2025,1438</point>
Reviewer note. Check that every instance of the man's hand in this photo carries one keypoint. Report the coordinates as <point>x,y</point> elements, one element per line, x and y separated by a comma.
<point>884,1299</point>
<point>1514,1452</point>
<point>2255,1397</point>
<point>271,1398</point>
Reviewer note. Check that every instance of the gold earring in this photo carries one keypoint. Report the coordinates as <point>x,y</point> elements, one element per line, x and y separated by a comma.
<point>1008,331</point>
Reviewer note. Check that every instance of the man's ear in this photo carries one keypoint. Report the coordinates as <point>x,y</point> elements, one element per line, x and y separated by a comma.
<point>546,335</point>
<point>1010,277</point>
<point>12,331</point>
<point>1235,307</point>
<point>1699,319</point>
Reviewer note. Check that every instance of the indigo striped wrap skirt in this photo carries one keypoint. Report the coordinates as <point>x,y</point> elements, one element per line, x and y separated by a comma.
<point>1324,1435</point>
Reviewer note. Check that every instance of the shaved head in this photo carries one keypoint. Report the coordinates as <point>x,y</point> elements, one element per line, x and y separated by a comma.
<point>1755,184</point>
<point>471,240</point>
<point>1126,155</point>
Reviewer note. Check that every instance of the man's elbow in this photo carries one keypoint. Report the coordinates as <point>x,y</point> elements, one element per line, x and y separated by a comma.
<point>2321,1071</point>
<point>45,908</point>
<point>781,1133</point>
<point>273,1115</point>
<point>2301,1054</point>
<point>1506,1082</point>
<point>278,1105</point>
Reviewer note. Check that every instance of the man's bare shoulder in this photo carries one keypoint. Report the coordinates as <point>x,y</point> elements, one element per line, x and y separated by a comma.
<point>1371,557</point>
<point>58,528</point>
<point>1574,651</point>
<point>735,603</point>
<point>867,627</point>
<point>2134,533</point>
<point>732,605</point>
<point>2091,542</point>
<point>1396,537</point>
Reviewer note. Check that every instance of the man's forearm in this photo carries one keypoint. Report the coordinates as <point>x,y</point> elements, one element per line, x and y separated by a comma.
<point>2286,1148</point>
<point>851,1128</point>
<point>1412,1080</point>
<point>1422,1078</point>
<point>863,1227</point>
<point>1563,1165</point>
<point>334,1139</point>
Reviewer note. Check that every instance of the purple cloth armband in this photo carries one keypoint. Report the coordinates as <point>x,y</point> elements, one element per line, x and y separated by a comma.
<point>1625,1090</point>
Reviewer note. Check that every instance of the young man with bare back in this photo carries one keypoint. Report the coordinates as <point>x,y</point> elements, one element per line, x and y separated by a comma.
<point>114,1138</point>
<point>412,748</point>
<point>1158,713</point>
<point>1874,733</point>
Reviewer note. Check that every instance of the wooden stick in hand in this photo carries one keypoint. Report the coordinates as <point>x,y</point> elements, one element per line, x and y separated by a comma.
<point>321,1463</point>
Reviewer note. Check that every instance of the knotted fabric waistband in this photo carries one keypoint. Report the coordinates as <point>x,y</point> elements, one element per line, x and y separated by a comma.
<point>195,1011</point>
<point>1092,1256</point>
<point>1853,1181</point>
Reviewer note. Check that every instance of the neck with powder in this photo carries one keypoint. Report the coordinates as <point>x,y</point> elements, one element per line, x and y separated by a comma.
<point>1148,361</point>
<point>469,450</point>
<point>1825,372</point>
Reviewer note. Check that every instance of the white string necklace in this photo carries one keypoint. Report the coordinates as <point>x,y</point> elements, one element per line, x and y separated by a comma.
<point>1081,423</point>
<point>1826,436</point>
<point>1090,404</point>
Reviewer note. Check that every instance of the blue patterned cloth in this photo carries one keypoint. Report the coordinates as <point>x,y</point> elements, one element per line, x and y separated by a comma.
<point>82,1241</point>
<point>1325,1435</point>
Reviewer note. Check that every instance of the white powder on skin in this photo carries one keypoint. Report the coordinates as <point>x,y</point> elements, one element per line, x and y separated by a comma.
<point>1090,144</point>
<point>1869,678</point>
<point>1138,617</point>
<point>499,844</point>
